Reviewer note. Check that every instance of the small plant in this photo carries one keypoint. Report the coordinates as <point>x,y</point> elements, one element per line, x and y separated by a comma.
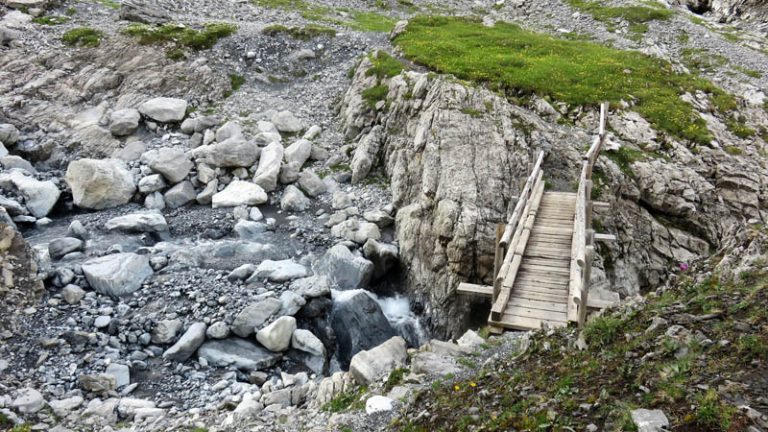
<point>751,347</point>
<point>625,157</point>
<point>712,413</point>
<point>22,428</point>
<point>175,54</point>
<point>82,36</point>
<point>50,20</point>
<point>347,400</point>
<point>181,36</point>
<point>71,11</point>
<point>739,128</point>
<point>602,331</point>
<point>733,150</point>
<point>384,65</point>
<point>375,94</point>
<point>395,378</point>
<point>235,82</point>
<point>308,32</point>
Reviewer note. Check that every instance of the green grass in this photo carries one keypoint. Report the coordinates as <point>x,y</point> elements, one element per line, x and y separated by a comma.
<point>180,36</point>
<point>70,11</point>
<point>235,82</point>
<point>384,65</point>
<point>712,412</point>
<point>624,157</point>
<point>395,378</point>
<point>602,331</point>
<point>739,128</point>
<point>733,150</point>
<point>349,400</point>
<point>50,20</point>
<point>630,14</point>
<point>354,19</point>
<point>370,22</point>
<point>307,32</point>
<point>749,72</point>
<point>375,94</point>
<point>517,62</point>
<point>109,4</point>
<point>82,36</point>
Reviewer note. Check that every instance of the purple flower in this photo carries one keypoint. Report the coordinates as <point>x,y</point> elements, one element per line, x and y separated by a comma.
<point>683,266</point>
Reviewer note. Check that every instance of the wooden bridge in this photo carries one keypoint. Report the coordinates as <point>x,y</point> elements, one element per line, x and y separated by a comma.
<point>544,253</point>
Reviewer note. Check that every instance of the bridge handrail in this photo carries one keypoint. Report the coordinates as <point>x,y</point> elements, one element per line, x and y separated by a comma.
<point>582,245</point>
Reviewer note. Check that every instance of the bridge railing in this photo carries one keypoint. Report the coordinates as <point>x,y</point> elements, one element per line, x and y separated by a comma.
<point>511,243</point>
<point>582,245</point>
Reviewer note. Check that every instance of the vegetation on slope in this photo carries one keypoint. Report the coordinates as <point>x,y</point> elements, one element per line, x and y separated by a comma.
<point>384,66</point>
<point>180,36</point>
<point>697,351</point>
<point>510,59</point>
<point>636,16</point>
<point>82,36</point>
<point>302,33</point>
<point>352,18</point>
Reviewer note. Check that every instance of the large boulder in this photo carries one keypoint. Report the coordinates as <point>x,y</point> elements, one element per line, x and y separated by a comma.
<point>172,163</point>
<point>240,353</point>
<point>298,152</point>
<point>269,166</point>
<point>279,271</point>
<point>180,195</point>
<point>59,247</point>
<point>356,231</point>
<point>164,110</point>
<point>294,200</point>
<point>254,315</point>
<point>376,363</point>
<point>233,152</point>
<point>99,184</point>
<point>285,121</point>
<point>117,274</point>
<point>187,344</point>
<point>311,184</point>
<point>143,11</point>
<point>239,193</point>
<point>276,337</point>
<point>153,222</point>
<point>359,324</point>
<point>124,122</point>
<point>306,341</point>
<point>39,196</point>
<point>383,256</point>
<point>344,269</point>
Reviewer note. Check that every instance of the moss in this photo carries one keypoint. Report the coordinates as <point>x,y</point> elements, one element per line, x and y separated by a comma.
<point>370,22</point>
<point>179,35</point>
<point>516,61</point>
<point>733,150</point>
<point>750,72</point>
<point>352,18</point>
<point>395,378</point>
<point>307,32</point>
<point>50,20</point>
<point>82,36</point>
<point>175,54</point>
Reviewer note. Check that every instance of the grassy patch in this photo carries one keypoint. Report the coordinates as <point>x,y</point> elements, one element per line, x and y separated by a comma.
<point>370,22</point>
<point>634,15</point>
<point>384,65</point>
<point>700,60</point>
<point>350,400</point>
<point>395,378</point>
<point>307,32</point>
<point>739,128</point>
<point>352,18</point>
<point>50,20</point>
<point>82,36</point>
<point>108,3</point>
<point>179,35</point>
<point>375,94</point>
<point>750,72</point>
<point>602,331</point>
<point>518,62</point>
<point>733,150</point>
<point>624,157</point>
<point>235,82</point>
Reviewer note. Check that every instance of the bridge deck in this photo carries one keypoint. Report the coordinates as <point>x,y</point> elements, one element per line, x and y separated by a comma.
<point>539,293</point>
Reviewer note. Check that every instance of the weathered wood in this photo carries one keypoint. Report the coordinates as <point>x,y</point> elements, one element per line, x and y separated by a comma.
<point>528,312</point>
<point>558,307</point>
<point>522,201</point>
<point>600,205</point>
<point>475,290</point>
<point>521,292</point>
<point>498,258</point>
<point>601,237</point>
<point>594,303</point>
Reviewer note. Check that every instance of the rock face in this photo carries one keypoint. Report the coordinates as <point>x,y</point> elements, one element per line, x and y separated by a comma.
<point>374,364</point>
<point>164,110</point>
<point>39,196</point>
<point>117,274</point>
<point>99,184</point>
<point>359,325</point>
<point>240,353</point>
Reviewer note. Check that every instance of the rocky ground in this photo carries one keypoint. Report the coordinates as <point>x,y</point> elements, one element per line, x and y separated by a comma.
<point>205,225</point>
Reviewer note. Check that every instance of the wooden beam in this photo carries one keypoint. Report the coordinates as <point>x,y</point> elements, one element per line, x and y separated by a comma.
<point>600,205</point>
<point>474,290</point>
<point>602,237</point>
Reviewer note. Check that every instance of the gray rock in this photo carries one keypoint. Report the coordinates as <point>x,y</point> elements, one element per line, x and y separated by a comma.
<point>154,201</point>
<point>59,247</point>
<point>289,173</point>
<point>356,231</point>
<point>230,129</point>
<point>280,398</point>
<point>240,353</point>
<point>291,303</point>
<point>164,110</point>
<point>344,269</point>
<point>231,153</point>
<point>241,273</point>
<point>172,163</point>
<point>312,287</point>
<point>39,196</point>
<point>205,173</point>
<point>72,294</point>
<point>99,184</point>
<point>124,122</point>
<point>10,162</point>
<point>152,183</point>
<point>279,271</point>
<point>470,339</point>
<point>248,409</point>
<point>359,324</point>
<point>143,11</point>
<point>383,256</point>
<point>269,166</point>
<point>294,200</point>
<point>305,340</point>
<point>276,337</point>
<point>131,152</point>
<point>150,222</point>
<point>187,344</point>
<point>100,383</point>
<point>240,193</point>
<point>121,373</point>
<point>311,184</point>
<point>165,331</point>
<point>381,218</point>
<point>254,315</point>
<point>313,132</point>
<point>180,195</point>
<point>64,407</point>
<point>9,135</point>
<point>372,365</point>
<point>77,230</point>
<point>650,420</point>
<point>341,200</point>
<point>12,207</point>
<point>285,121</point>
<point>365,154</point>
<point>434,365</point>
<point>217,330</point>
<point>28,401</point>
<point>205,197</point>
<point>298,152</point>
<point>117,274</point>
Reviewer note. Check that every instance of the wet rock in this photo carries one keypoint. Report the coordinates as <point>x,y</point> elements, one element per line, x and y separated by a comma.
<point>239,193</point>
<point>62,246</point>
<point>276,337</point>
<point>359,324</point>
<point>269,166</point>
<point>10,162</point>
<point>376,363</point>
<point>279,271</point>
<point>306,341</point>
<point>164,110</point>
<point>298,152</point>
<point>12,207</point>
<point>291,303</point>
<point>138,222</point>
<point>77,230</point>
<point>312,287</point>
<point>180,195</point>
<point>650,420</point>
<point>356,231</point>
<point>249,230</point>
<point>124,122</point>
<point>39,196</point>
<point>231,153</point>
<point>285,121</point>
<point>72,294</point>
<point>117,274</point>
<point>236,352</point>
<point>311,184</point>
<point>28,401</point>
<point>254,315</point>
<point>99,184</point>
<point>165,331</point>
<point>383,256</point>
<point>344,269</point>
<point>172,163</point>
<point>187,344</point>
<point>294,200</point>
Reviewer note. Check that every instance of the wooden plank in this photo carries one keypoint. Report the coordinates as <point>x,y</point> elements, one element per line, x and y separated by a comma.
<point>537,304</point>
<point>554,241</point>
<point>555,289</point>
<point>547,253</point>
<point>519,323</point>
<point>523,311</point>
<point>532,295</point>
<point>600,237</point>
<point>553,230</point>
<point>545,269</point>
<point>549,262</point>
<point>475,290</point>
